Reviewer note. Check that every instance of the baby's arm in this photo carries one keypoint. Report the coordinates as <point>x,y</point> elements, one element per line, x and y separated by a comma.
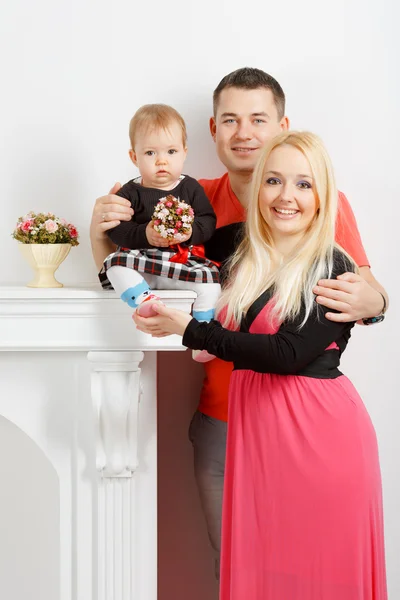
<point>205,220</point>
<point>129,234</point>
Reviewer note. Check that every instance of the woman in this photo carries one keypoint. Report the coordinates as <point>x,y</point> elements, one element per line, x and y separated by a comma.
<point>302,500</point>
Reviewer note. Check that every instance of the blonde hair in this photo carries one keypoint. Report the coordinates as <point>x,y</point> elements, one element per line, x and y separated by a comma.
<point>251,271</point>
<point>155,116</point>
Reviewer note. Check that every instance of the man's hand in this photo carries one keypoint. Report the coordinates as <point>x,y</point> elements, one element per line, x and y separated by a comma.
<point>167,322</point>
<point>351,295</point>
<point>154,238</point>
<point>108,212</point>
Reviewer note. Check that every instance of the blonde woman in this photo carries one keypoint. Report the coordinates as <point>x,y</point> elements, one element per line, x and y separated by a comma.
<point>302,516</point>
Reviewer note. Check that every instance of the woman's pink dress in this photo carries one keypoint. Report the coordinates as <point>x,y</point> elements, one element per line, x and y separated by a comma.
<point>302,517</point>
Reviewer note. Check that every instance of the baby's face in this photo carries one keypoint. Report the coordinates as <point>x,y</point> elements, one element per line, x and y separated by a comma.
<point>159,155</point>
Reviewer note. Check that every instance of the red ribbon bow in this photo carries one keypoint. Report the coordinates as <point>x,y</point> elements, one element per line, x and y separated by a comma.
<point>184,252</point>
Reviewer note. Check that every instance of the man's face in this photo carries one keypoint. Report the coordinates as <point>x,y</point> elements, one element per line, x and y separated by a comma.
<point>245,121</point>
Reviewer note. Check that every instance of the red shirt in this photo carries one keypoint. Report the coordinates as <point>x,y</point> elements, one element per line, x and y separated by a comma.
<point>214,393</point>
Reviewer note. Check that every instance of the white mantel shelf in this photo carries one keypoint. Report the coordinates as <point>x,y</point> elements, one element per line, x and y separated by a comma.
<point>77,318</point>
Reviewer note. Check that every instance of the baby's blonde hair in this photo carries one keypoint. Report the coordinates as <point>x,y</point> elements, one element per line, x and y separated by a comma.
<point>155,116</point>
<point>251,272</point>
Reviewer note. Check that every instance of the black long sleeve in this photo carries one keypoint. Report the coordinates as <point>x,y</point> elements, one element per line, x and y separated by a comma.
<point>205,220</point>
<point>222,245</point>
<point>286,352</point>
<point>132,234</point>
<point>224,242</point>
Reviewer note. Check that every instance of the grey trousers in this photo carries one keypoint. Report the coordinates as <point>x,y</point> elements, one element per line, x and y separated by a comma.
<point>208,436</point>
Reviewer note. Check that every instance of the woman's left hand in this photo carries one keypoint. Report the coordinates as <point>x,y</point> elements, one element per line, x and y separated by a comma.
<point>167,322</point>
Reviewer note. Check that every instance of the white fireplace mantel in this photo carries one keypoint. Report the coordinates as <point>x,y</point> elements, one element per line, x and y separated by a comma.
<point>95,323</point>
<point>78,318</point>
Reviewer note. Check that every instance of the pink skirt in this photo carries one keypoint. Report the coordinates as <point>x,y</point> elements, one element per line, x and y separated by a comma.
<point>302,515</point>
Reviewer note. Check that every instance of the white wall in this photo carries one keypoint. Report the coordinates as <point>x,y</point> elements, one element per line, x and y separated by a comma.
<point>74,72</point>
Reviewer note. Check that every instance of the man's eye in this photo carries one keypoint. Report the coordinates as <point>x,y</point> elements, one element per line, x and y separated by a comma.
<point>149,153</point>
<point>273,181</point>
<point>304,185</point>
<point>229,121</point>
<point>259,121</point>
<point>172,151</point>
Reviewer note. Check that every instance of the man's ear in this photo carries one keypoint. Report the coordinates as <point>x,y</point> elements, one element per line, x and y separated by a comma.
<point>213,128</point>
<point>285,123</point>
<point>133,157</point>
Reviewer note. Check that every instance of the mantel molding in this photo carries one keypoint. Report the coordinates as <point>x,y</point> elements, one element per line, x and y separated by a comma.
<point>81,318</point>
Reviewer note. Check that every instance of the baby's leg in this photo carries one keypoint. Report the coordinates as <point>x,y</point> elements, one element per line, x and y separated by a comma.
<point>204,310</point>
<point>203,306</point>
<point>207,298</point>
<point>131,287</point>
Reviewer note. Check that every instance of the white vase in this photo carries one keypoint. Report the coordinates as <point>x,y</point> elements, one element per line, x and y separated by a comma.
<point>44,260</point>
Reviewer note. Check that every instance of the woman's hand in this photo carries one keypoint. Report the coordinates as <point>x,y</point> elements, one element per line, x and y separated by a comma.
<point>167,322</point>
<point>108,212</point>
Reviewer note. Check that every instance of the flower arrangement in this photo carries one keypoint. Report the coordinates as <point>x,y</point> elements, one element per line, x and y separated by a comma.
<point>172,218</point>
<point>45,228</point>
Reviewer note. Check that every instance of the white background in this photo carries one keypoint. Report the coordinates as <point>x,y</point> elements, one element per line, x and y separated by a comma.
<point>73,74</point>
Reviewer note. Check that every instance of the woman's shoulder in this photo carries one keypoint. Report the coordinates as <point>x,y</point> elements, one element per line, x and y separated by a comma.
<point>341,263</point>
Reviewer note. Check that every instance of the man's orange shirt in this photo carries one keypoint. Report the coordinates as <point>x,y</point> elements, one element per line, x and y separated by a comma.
<point>214,394</point>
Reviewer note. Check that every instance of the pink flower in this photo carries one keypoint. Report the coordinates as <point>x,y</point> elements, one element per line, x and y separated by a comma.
<point>179,211</point>
<point>191,212</point>
<point>50,226</point>
<point>175,231</point>
<point>73,232</point>
<point>178,224</point>
<point>63,222</point>
<point>157,222</point>
<point>26,225</point>
<point>169,204</point>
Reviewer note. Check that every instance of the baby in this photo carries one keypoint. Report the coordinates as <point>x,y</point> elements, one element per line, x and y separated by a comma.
<point>145,260</point>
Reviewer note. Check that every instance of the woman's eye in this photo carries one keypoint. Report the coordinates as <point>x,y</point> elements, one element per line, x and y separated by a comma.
<point>304,185</point>
<point>273,181</point>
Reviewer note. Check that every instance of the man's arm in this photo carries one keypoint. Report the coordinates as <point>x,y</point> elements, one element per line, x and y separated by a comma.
<point>356,297</point>
<point>108,212</point>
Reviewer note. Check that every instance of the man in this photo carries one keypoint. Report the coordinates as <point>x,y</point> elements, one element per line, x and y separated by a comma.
<point>249,110</point>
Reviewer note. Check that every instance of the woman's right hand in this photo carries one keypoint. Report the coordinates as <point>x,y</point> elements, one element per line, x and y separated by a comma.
<point>166,322</point>
<point>108,212</point>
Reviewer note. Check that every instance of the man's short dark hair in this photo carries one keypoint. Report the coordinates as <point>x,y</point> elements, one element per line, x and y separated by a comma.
<point>251,79</point>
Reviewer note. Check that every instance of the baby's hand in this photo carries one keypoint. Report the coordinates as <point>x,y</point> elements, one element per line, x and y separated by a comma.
<point>154,238</point>
<point>179,238</point>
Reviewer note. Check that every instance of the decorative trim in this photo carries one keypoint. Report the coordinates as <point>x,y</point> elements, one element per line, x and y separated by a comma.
<point>116,393</point>
<point>115,386</point>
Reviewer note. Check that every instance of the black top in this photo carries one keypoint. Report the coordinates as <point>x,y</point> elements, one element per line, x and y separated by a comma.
<point>225,241</point>
<point>290,351</point>
<point>132,234</point>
